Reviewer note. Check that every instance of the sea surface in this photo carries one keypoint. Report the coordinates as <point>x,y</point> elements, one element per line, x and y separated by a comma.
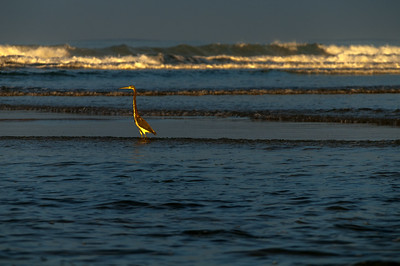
<point>265,154</point>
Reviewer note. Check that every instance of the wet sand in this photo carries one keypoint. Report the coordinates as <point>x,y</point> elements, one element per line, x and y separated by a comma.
<point>22,123</point>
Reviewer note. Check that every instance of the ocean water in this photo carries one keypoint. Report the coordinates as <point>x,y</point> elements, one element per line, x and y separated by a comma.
<point>282,153</point>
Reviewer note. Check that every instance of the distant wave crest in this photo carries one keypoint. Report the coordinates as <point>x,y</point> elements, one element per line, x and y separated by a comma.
<point>292,57</point>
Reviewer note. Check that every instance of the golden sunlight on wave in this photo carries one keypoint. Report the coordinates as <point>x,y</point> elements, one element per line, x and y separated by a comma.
<point>361,59</point>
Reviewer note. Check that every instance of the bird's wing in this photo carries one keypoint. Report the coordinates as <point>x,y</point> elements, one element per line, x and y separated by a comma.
<point>145,125</point>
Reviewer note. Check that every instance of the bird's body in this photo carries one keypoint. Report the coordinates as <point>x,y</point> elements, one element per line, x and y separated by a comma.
<point>143,126</point>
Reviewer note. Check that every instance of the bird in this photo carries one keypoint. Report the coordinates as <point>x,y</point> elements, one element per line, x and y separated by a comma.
<point>143,126</point>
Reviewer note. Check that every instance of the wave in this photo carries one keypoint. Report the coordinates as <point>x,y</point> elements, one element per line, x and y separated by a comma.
<point>381,117</point>
<point>276,143</point>
<point>18,91</point>
<point>292,57</point>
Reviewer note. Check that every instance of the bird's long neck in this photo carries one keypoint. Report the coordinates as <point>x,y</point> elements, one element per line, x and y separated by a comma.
<point>135,111</point>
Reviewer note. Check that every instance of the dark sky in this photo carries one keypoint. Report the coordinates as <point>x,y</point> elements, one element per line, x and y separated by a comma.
<point>225,21</point>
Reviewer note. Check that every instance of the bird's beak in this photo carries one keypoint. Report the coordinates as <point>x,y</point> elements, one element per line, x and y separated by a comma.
<point>125,88</point>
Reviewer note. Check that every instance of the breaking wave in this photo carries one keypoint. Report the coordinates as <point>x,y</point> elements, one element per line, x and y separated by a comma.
<point>292,57</point>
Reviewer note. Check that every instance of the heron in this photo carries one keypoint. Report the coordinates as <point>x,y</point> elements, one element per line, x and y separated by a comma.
<point>143,126</point>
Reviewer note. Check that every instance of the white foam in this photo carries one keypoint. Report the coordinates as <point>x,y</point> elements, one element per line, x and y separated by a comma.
<point>35,51</point>
<point>339,59</point>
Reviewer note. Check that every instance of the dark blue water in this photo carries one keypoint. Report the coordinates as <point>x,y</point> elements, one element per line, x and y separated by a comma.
<point>283,154</point>
<point>189,201</point>
<point>105,80</point>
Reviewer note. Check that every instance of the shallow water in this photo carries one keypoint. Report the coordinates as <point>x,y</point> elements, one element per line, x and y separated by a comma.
<point>282,154</point>
<point>378,109</point>
<point>240,103</point>
<point>192,201</point>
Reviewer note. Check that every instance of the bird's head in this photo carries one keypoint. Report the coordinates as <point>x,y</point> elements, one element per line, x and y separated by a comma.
<point>131,87</point>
